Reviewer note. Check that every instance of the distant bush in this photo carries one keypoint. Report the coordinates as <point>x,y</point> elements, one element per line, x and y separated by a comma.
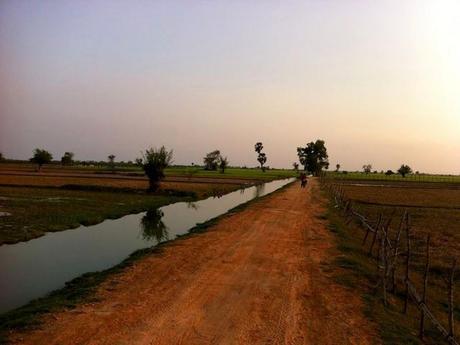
<point>41,157</point>
<point>389,172</point>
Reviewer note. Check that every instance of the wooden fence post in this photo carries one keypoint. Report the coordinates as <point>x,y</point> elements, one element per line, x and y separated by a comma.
<point>379,220</point>
<point>451,298</point>
<point>375,235</point>
<point>396,253</point>
<point>425,284</point>
<point>408,254</point>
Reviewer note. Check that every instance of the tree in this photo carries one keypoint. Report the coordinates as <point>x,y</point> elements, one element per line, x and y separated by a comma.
<point>154,162</point>
<point>337,167</point>
<point>261,157</point>
<point>389,172</point>
<point>111,159</point>
<point>138,161</point>
<point>404,170</point>
<point>313,157</point>
<point>223,164</point>
<point>41,157</point>
<point>211,161</point>
<point>367,168</point>
<point>296,166</point>
<point>1,157</point>
<point>67,158</point>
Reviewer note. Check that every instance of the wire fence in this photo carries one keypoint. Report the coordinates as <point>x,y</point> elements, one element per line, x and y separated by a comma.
<point>393,256</point>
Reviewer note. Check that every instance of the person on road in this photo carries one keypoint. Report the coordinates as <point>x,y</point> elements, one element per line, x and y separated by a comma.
<point>303,180</point>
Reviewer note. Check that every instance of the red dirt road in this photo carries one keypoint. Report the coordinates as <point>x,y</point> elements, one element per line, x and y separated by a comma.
<point>256,277</point>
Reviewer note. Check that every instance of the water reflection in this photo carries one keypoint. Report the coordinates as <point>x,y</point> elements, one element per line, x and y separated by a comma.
<point>192,205</point>
<point>153,227</point>
<point>259,190</point>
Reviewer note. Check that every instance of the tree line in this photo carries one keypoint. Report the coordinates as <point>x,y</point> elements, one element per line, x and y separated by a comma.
<point>153,161</point>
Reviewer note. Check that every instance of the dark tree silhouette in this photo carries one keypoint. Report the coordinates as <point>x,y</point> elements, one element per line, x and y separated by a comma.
<point>367,168</point>
<point>211,161</point>
<point>67,158</point>
<point>154,162</point>
<point>261,157</point>
<point>295,165</point>
<point>41,157</point>
<point>404,170</point>
<point>223,164</point>
<point>313,157</point>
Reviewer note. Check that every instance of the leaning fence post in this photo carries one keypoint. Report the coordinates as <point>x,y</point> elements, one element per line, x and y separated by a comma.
<point>425,284</point>
<point>406,300</point>
<point>379,220</point>
<point>451,298</point>
<point>396,253</point>
<point>375,236</point>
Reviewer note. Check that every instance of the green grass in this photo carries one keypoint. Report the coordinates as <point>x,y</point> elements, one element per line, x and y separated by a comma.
<point>35,211</point>
<point>230,173</point>
<point>395,177</point>
<point>236,173</point>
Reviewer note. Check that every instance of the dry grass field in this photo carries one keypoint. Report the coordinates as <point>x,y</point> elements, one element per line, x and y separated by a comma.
<point>434,210</point>
<point>58,198</point>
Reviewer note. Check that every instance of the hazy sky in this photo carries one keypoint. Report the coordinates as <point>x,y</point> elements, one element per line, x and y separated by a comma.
<point>379,81</point>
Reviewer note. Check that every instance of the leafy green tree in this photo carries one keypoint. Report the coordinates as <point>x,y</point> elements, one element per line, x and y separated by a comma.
<point>367,168</point>
<point>41,157</point>
<point>211,161</point>
<point>404,170</point>
<point>313,157</point>
<point>67,158</point>
<point>154,162</point>
<point>223,164</point>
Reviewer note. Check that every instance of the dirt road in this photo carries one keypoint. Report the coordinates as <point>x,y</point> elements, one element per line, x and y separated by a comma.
<point>254,278</point>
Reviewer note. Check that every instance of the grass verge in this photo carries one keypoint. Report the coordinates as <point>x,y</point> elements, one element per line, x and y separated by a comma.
<point>358,272</point>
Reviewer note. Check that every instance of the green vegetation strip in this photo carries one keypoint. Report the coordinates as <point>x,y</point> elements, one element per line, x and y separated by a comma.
<point>82,289</point>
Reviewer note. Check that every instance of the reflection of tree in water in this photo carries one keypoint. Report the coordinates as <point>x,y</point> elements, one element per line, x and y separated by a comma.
<point>192,205</point>
<point>217,193</point>
<point>153,227</point>
<point>260,188</point>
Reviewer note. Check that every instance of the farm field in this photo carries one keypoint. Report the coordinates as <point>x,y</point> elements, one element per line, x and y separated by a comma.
<point>170,172</point>
<point>58,198</point>
<point>433,211</point>
<point>360,176</point>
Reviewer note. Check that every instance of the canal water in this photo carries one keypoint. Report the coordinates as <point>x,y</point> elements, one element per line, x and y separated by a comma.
<point>32,269</point>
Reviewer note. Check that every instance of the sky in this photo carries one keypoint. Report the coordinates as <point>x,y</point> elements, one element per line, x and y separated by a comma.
<point>379,81</point>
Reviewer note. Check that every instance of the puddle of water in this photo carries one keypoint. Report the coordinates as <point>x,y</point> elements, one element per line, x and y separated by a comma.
<point>32,269</point>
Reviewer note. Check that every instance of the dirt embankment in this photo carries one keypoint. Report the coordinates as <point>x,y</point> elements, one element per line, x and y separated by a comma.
<point>255,278</point>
